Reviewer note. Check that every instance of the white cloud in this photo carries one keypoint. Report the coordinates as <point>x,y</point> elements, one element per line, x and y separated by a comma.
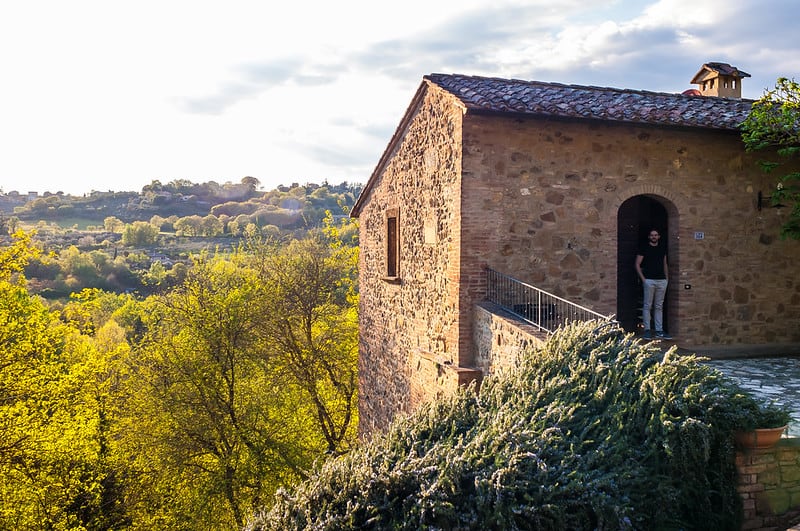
<point>110,95</point>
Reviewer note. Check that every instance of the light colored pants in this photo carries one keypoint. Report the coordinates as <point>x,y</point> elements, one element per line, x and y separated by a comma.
<point>654,291</point>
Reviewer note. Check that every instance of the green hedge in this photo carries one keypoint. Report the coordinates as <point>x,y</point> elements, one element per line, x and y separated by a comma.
<point>594,430</point>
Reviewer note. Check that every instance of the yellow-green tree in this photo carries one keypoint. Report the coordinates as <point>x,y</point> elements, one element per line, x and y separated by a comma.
<point>213,426</point>
<point>113,224</point>
<point>235,383</point>
<point>139,234</point>
<point>54,463</point>
<point>308,319</point>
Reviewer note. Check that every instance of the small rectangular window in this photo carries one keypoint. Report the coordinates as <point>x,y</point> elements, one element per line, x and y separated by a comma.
<point>392,243</point>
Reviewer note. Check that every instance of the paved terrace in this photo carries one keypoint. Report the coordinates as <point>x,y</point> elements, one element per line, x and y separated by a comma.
<point>769,371</point>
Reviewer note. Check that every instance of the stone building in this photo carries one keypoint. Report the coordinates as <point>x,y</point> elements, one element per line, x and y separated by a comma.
<point>555,185</point>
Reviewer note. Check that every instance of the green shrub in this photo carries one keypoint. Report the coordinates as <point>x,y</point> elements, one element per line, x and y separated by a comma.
<point>594,430</point>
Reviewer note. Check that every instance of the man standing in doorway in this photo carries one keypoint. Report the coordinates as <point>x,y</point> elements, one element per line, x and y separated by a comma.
<point>651,266</point>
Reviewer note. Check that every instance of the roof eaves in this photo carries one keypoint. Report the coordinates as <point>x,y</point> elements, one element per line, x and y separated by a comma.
<point>673,122</point>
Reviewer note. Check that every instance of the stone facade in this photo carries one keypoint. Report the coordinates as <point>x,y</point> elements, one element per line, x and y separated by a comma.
<point>409,325</point>
<point>559,202</point>
<point>553,190</point>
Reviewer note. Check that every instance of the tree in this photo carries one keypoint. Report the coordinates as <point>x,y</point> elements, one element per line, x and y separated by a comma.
<point>54,416</point>
<point>211,226</point>
<point>189,225</point>
<point>251,182</point>
<point>308,317</point>
<point>158,222</point>
<point>213,427</point>
<point>79,268</point>
<point>154,186</point>
<point>113,224</point>
<point>15,257</point>
<point>773,126</point>
<point>12,224</point>
<point>234,229</point>
<point>139,234</point>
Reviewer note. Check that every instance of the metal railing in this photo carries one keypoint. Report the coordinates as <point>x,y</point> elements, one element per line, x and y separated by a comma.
<point>533,305</point>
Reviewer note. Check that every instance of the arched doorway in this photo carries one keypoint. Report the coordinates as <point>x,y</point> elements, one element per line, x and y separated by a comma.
<point>635,217</point>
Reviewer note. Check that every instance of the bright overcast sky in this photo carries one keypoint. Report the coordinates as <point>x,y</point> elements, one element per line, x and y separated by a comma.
<point>110,95</point>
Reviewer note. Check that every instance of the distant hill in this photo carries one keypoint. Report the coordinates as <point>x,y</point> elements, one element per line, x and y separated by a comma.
<point>142,241</point>
<point>285,206</point>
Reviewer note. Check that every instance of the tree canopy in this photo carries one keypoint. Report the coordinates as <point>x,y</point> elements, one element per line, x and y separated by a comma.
<point>183,410</point>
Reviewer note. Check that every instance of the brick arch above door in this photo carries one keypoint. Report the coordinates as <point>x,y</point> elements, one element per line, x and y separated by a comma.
<point>675,202</point>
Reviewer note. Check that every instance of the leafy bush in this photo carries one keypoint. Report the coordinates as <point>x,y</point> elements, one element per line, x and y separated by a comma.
<point>594,430</point>
<point>760,415</point>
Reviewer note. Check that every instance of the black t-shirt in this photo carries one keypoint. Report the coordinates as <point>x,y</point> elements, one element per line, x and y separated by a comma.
<point>653,261</point>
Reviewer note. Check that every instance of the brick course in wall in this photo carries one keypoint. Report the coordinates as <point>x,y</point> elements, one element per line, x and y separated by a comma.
<point>769,483</point>
<point>499,338</point>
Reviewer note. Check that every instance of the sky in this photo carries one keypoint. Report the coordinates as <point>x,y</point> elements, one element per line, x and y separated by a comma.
<point>109,95</point>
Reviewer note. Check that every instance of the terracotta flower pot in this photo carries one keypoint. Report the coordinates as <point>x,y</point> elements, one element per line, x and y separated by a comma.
<point>759,438</point>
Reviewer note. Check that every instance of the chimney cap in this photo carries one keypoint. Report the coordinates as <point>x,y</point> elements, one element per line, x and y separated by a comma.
<point>718,68</point>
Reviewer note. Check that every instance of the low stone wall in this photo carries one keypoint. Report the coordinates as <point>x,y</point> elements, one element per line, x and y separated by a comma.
<point>433,377</point>
<point>499,337</point>
<point>769,482</point>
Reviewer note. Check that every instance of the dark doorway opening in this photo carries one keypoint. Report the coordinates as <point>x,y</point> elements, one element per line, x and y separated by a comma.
<point>635,218</point>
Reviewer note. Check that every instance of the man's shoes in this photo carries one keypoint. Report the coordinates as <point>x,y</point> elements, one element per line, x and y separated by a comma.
<point>663,335</point>
<point>647,334</point>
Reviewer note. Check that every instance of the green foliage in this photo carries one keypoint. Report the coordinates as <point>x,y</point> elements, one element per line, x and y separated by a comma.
<point>90,309</point>
<point>139,234</point>
<point>309,323</point>
<point>54,463</point>
<point>773,125</point>
<point>180,411</point>
<point>113,224</point>
<point>72,270</point>
<point>594,430</point>
<point>757,415</point>
<point>15,257</point>
<point>205,434</point>
<point>239,379</point>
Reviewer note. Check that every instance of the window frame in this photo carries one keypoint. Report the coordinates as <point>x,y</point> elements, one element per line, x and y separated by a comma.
<point>392,247</point>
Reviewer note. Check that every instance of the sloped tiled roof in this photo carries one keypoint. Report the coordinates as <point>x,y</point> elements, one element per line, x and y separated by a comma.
<point>534,98</point>
<point>493,95</point>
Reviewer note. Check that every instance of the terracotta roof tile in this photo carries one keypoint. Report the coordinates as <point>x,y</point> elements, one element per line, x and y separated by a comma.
<point>493,95</point>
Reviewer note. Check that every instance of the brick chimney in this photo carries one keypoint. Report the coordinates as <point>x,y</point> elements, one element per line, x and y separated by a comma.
<point>720,79</point>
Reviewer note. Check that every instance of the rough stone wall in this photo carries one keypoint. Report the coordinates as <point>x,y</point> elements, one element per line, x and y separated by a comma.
<point>541,199</point>
<point>499,338</point>
<point>769,483</point>
<point>408,330</point>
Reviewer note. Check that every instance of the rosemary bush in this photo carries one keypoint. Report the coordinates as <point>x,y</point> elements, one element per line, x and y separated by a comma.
<point>594,430</point>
